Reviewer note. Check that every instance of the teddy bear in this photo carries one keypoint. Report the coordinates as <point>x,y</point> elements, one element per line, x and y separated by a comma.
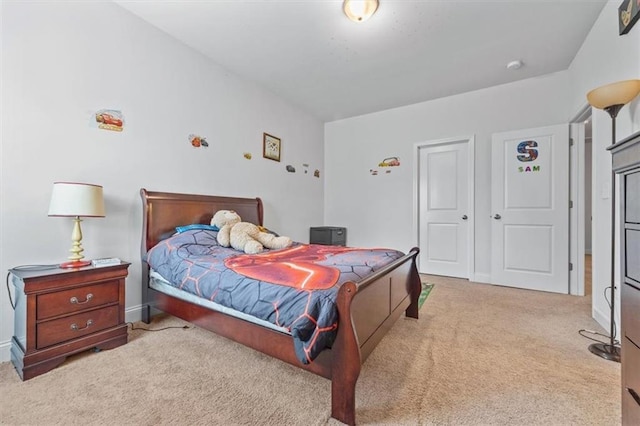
<point>244,236</point>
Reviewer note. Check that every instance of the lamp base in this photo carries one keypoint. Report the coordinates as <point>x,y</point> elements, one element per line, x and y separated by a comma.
<point>75,264</point>
<point>606,351</point>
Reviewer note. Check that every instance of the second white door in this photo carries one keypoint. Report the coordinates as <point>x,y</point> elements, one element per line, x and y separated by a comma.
<point>530,209</point>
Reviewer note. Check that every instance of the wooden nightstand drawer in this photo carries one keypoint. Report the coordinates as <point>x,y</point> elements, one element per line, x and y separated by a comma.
<point>78,299</point>
<point>57,331</point>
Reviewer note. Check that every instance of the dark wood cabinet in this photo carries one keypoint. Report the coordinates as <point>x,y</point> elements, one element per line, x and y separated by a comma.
<point>626,163</point>
<point>60,312</point>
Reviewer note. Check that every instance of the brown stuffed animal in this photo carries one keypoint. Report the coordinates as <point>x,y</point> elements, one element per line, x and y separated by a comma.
<point>244,236</point>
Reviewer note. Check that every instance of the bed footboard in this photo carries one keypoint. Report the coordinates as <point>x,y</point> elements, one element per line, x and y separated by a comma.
<point>367,310</point>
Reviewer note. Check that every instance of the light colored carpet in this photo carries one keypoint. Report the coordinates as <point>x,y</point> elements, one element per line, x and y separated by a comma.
<point>479,355</point>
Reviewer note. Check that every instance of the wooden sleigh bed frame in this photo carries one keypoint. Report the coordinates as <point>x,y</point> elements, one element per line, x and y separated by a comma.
<point>366,309</point>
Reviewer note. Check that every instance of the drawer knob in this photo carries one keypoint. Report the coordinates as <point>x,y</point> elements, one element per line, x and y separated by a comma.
<point>75,327</point>
<point>74,300</point>
<point>634,394</point>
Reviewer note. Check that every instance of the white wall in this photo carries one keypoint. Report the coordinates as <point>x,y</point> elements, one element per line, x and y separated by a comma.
<point>61,62</point>
<point>362,202</point>
<point>605,57</point>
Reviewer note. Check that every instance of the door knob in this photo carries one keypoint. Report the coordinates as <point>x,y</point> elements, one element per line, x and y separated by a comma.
<point>497,217</point>
<point>464,217</point>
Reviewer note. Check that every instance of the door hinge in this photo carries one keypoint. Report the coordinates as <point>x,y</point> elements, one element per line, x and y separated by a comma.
<point>570,141</point>
<point>570,204</point>
<point>570,266</point>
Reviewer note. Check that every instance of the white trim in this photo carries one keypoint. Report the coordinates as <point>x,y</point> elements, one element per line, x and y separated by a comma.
<point>603,319</point>
<point>582,115</point>
<point>133,314</point>
<point>472,204</point>
<point>5,351</point>
<point>471,157</point>
<point>481,278</point>
<point>577,213</point>
<point>577,194</point>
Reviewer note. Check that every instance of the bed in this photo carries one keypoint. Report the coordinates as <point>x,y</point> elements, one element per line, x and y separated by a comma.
<point>366,309</point>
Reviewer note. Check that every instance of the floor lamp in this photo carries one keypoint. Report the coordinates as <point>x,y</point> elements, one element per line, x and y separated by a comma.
<point>612,98</point>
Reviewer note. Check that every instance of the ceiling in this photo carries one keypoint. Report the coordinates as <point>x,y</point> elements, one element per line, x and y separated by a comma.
<point>310,54</point>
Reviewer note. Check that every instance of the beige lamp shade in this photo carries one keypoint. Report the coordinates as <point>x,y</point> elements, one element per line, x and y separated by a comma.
<point>359,10</point>
<point>620,93</point>
<point>76,199</point>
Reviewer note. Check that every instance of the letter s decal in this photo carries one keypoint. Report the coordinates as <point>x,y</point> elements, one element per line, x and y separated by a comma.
<point>527,151</point>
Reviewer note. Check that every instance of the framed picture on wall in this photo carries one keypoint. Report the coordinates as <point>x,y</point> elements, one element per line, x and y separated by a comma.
<point>628,15</point>
<point>271,147</point>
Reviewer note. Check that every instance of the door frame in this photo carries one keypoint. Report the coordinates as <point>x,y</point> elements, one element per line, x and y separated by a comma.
<point>471,142</point>
<point>577,188</point>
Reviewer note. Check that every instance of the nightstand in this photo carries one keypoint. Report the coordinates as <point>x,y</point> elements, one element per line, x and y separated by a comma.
<point>60,312</point>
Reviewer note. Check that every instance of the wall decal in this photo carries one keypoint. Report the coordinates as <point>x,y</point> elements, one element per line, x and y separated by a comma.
<point>247,155</point>
<point>110,119</point>
<point>628,15</point>
<point>527,151</point>
<point>529,169</point>
<point>198,141</point>
<point>291,169</point>
<point>390,162</point>
<point>386,163</point>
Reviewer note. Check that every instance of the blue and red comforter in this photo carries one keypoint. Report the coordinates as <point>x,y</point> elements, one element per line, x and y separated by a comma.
<point>294,288</point>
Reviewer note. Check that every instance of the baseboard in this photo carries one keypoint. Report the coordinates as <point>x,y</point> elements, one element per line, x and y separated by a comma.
<point>481,278</point>
<point>5,351</point>
<point>132,314</point>
<point>601,318</point>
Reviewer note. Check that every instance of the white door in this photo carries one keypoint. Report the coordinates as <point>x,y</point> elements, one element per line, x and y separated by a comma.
<point>530,209</point>
<point>443,208</point>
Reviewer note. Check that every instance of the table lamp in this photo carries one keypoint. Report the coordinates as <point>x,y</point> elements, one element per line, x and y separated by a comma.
<point>72,199</point>
<point>611,98</point>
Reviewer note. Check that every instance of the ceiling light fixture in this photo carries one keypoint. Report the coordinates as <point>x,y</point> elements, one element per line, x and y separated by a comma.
<point>359,10</point>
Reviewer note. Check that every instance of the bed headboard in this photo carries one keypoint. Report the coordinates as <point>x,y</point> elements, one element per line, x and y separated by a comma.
<point>163,211</point>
